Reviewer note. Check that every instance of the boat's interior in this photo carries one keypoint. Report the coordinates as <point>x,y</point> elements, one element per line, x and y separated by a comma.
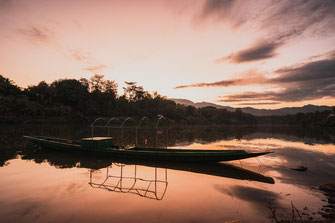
<point>187,150</point>
<point>68,141</point>
<point>77,142</point>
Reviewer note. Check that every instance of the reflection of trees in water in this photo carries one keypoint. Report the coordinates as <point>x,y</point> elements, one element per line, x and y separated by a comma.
<point>12,143</point>
<point>9,146</point>
<point>294,133</point>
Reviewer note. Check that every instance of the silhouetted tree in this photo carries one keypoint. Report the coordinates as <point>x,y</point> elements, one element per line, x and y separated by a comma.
<point>12,101</point>
<point>96,83</point>
<point>70,93</point>
<point>135,93</point>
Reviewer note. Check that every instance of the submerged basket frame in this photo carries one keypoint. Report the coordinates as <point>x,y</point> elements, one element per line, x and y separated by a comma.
<point>150,191</point>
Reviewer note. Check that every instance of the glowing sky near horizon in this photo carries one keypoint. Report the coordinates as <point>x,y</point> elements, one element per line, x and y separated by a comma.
<point>265,54</point>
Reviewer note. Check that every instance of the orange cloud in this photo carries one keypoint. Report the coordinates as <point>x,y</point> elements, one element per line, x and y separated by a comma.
<point>256,78</point>
<point>95,68</point>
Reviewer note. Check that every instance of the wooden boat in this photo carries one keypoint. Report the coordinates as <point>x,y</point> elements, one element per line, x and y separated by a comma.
<point>103,146</point>
<point>59,159</point>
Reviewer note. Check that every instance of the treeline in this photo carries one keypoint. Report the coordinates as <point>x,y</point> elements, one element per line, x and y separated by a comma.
<point>310,119</point>
<point>84,99</point>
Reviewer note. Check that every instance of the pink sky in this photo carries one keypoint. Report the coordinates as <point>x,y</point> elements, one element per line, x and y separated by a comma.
<point>266,54</point>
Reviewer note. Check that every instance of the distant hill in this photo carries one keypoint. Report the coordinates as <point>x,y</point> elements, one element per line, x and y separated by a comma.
<point>255,111</point>
<point>200,104</point>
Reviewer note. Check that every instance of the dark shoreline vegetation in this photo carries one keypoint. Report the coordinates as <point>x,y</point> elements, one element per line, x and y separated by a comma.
<point>11,135</point>
<point>81,101</point>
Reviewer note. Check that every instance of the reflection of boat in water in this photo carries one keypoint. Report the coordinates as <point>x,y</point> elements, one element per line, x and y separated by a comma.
<point>215,169</point>
<point>149,188</point>
<point>103,146</point>
<point>156,187</point>
<point>62,160</point>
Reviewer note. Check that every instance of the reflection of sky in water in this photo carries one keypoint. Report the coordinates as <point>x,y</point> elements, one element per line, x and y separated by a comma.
<point>35,192</point>
<point>290,185</point>
<point>262,144</point>
<point>319,158</point>
<point>256,196</point>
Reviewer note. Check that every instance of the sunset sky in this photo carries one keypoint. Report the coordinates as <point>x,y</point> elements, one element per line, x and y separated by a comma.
<point>259,53</point>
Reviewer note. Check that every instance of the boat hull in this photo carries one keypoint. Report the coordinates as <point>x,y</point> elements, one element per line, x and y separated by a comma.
<point>178,155</point>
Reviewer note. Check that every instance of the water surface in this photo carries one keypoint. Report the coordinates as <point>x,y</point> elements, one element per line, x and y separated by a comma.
<point>45,186</point>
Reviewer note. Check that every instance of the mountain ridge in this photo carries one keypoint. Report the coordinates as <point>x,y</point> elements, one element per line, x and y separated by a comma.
<point>255,111</point>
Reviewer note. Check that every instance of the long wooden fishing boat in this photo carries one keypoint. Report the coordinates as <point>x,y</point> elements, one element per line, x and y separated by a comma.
<point>104,146</point>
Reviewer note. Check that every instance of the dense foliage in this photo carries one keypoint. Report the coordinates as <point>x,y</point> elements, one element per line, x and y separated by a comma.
<point>309,119</point>
<point>84,99</point>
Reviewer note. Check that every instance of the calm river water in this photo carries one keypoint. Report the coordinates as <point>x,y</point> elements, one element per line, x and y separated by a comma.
<point>44,186</point>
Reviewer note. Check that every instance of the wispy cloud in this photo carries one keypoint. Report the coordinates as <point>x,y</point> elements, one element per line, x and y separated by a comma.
<point>82,56</point>
<point>37,34</point>
<point>281,19</point>
<point>5,4</point>
<point>217,7</point>
<point>95,68</point>
<point>288,18</point>
<point>214,84</point>
<point>229,11</point>
<point>313,79</point>
<point>258,103</point>
<point>259,51</point>
<point>42,34</point>
<point>309,72</point>
<point>249,96</point>
<point>250,77</point>
<point>281,22</point>
<point>286,95</point>
<point>92,64</point>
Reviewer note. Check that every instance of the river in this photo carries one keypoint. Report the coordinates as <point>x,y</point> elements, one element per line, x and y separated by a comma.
<point>39,185</point>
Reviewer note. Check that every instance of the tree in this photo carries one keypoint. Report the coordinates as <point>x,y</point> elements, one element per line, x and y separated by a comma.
<point>110,87</point>
<point>135,93</point>
<point>85,83</point>
<point>41,93</point>
<point>96,83</point>
<point>7,87</point>
<point>11,98</point>
<point>70,92</point>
